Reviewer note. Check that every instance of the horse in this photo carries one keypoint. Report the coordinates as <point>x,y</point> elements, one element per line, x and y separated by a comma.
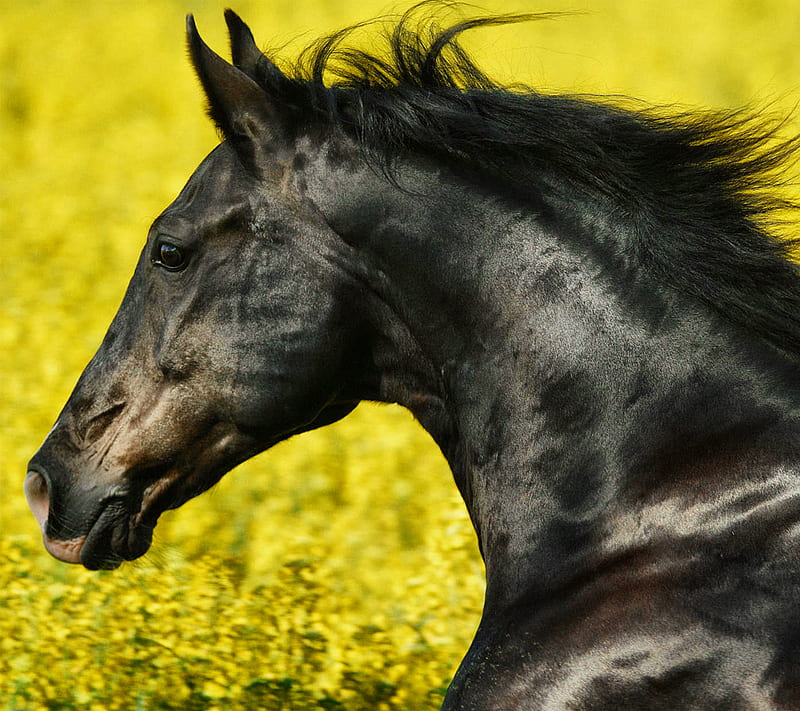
<point>587,305</point>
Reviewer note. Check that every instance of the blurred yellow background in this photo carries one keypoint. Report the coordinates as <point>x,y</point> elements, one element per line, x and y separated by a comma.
<point>339,570</point>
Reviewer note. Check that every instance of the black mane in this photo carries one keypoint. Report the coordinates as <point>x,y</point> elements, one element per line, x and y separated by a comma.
<point>700,193</point>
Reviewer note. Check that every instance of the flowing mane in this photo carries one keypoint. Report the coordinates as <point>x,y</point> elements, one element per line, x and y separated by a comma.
<point>698,193</point>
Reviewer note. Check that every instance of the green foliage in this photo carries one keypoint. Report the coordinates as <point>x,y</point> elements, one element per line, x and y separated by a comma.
<point>339,570</point>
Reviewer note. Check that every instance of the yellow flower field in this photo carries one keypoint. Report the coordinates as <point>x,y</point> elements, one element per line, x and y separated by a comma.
<point>339,570</point>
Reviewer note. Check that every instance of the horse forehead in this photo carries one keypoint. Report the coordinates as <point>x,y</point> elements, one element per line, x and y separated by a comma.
<point>219,184</point>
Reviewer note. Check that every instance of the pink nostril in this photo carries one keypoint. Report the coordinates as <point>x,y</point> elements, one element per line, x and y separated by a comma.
<point>38,497</point>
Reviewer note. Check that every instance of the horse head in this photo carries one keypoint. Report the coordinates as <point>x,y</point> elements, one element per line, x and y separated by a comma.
<point>234,333</point>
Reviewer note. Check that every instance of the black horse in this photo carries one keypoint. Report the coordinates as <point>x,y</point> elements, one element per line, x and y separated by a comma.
<point>582,304</point>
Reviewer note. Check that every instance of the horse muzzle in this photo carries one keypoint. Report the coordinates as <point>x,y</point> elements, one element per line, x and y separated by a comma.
<point>100,534</point>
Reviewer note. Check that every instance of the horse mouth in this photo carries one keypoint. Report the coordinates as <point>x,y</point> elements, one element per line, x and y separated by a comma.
<point>114,538</point>
<point>114,534</point>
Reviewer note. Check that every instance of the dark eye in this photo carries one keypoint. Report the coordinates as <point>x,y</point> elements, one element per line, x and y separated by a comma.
<point>169,256</point>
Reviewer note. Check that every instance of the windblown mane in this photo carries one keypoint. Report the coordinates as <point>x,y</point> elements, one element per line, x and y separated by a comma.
<point>699,192</point>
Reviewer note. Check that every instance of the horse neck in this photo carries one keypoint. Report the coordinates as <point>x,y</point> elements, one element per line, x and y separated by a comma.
<point>568,397</point>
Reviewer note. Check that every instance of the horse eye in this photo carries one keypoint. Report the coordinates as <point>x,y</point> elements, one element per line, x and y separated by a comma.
<point>169,256</point>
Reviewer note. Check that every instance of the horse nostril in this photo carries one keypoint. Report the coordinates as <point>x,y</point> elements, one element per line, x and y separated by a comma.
<point>38,496</point>
<point>99,423</point>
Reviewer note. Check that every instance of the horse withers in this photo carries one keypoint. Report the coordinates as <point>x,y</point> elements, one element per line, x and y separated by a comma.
<point>580,303</point>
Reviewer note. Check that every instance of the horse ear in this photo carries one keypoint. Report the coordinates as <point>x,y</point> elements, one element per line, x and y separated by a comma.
<point>245,53</point>
<point>241,109</point>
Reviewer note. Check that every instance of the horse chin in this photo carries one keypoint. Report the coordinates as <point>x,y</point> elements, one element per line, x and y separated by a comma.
<point>113,540</point>
<point>119,535</point>
<point>124,532</point>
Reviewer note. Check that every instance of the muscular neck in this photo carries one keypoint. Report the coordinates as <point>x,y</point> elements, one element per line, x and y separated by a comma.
<point>569,398</point>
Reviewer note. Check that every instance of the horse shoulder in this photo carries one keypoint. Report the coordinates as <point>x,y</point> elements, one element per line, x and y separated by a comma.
<point>623,651</point>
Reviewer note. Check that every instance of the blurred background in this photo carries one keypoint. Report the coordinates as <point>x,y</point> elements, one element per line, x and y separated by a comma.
<point>339,570</point>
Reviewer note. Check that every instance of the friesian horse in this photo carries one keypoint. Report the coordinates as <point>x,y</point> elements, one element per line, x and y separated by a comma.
<point>585,305</point>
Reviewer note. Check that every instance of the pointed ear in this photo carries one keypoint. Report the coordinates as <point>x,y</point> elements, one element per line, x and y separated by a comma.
<point>241,108</point>
<point>246,54</point>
